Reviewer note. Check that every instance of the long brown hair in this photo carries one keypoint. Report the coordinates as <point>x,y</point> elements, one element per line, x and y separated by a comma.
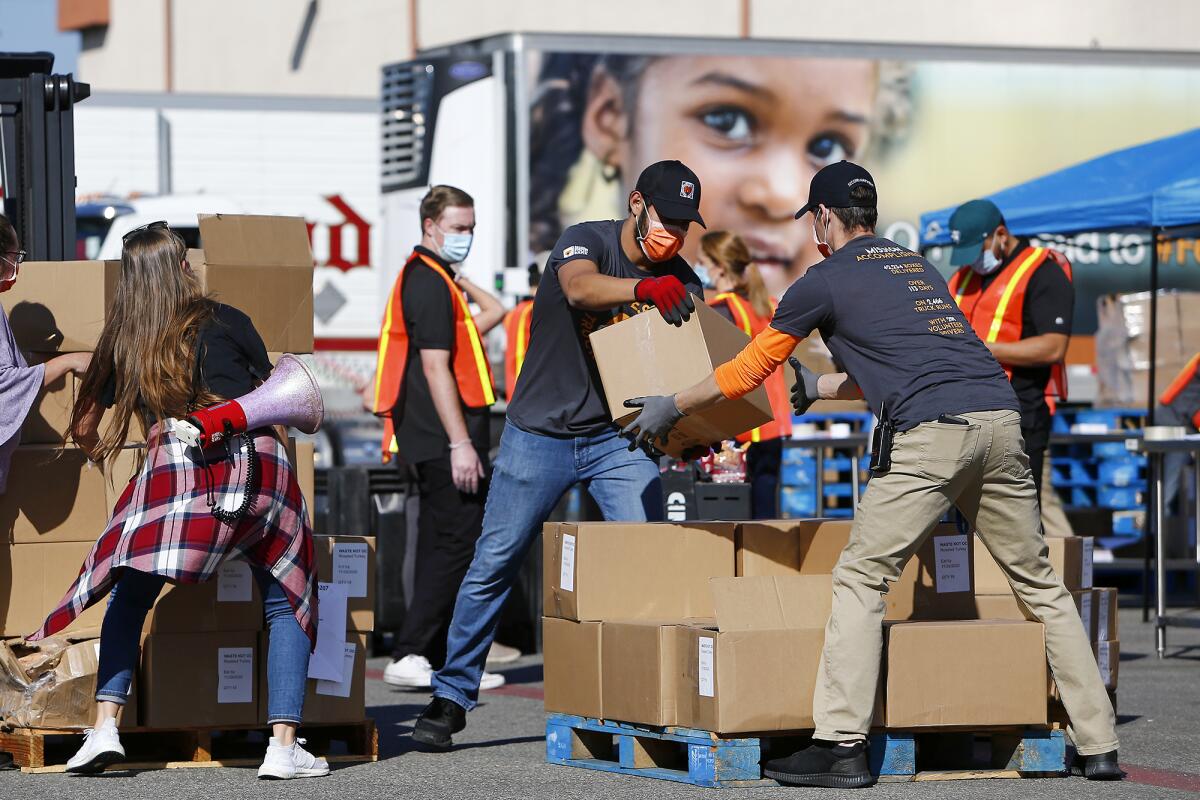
<point>729,252</point>
<point>149,339</point>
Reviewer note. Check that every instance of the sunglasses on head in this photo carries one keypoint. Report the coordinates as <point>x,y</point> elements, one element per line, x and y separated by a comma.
<point>149,226</point>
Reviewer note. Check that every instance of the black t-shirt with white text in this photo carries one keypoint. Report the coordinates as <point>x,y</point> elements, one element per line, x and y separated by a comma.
<point>889,319</point>
<point>559,393</point>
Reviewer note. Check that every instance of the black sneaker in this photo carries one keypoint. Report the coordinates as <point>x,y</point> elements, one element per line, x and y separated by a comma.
<point>440,720</point>
<point>1100,767</point>
<point>831,765</point>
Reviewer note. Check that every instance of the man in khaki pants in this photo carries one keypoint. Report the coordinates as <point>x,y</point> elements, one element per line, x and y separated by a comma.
<point>886,315</point>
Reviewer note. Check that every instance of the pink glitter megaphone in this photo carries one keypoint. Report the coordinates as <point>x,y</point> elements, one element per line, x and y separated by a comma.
<point>289,397</point>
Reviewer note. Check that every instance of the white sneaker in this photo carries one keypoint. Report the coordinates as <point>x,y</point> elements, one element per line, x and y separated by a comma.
<point>101,747</point>
<point>491,680</point>
<point>284,763</point>
<point>410,672</point>
<point>502,654</point>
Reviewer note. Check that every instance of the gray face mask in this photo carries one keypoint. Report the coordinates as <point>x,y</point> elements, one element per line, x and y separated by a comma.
<point>986,264</point>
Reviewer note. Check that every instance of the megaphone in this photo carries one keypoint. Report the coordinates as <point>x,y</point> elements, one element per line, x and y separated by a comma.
<point>289,397</point>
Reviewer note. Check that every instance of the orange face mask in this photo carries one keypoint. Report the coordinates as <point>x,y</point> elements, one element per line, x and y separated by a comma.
<point>658,243</point>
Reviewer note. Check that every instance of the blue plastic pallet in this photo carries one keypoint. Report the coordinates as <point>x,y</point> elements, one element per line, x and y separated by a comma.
<point>701,758</point>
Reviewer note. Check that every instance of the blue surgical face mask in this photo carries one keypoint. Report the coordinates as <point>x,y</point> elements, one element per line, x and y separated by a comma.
<point>702,273</point>
<point>986,264</point>
<point>455,246</point>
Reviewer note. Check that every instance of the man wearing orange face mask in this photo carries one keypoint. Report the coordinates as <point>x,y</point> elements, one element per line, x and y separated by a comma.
<point>559,431</point>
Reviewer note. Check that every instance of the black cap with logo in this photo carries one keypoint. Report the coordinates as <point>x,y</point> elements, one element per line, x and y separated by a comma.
<point>673,190</point>
<point>831,187</point>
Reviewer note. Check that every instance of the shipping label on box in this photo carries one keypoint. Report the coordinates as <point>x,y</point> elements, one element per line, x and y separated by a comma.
<point>235,668</point>
<point>630,571</point>
<point>1106,615</point>
<point>1108,658</point>
<point>671,359</point>
<point>349,561</point>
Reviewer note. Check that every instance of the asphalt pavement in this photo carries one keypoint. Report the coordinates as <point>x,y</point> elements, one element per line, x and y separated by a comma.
<point>502,752</point>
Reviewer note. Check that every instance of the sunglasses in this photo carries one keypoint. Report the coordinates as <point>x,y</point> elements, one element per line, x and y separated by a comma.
<point>20,256</point>
<point>149,226</point>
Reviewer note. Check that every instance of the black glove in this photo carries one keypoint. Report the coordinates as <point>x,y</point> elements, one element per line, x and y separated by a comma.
<point>696,453</point>
<point>804,390</point>
<point>659,415</point>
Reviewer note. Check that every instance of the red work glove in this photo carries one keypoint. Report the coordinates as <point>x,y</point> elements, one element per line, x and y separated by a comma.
<point>668,295</point>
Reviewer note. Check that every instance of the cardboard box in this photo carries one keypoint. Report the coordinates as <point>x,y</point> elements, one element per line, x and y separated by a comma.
<point>671,359</point>
<point>199,679</point>
<point>756,668</point>
<point>33,578</point>
<point>1108,658</point>
<point>1071,557</point>
<point>999,606</point>
<point>638,670</point>
<point>571,657</point>
<point>302,455</point>
<point>260,264</point>
<point>350,560</point>
<point>631,571</point>
<point>325,701</point>
<point>54,495</point>
<point>263,265</point>
<point>230,601</point>
<point>59,306</point>
<point>52,684</point>
<point>49,421</point>
<point>813,547</point>
<point>966,673</point>
<point>1107,621</point>
<point>119,469</point>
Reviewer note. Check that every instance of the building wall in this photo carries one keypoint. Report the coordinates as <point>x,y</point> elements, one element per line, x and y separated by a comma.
<point>254,46</point>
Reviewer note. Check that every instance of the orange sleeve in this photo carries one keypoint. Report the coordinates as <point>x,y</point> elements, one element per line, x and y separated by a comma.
<point>755,363</point>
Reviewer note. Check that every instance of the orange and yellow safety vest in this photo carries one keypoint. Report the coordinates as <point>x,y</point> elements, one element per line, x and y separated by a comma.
<point>518,324</point>
<point>751,323</point>
<point>472,372</point>
<point>1181,381</point>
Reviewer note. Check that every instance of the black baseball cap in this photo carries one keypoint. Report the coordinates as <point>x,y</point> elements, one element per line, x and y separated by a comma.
<point>831,187</point>
<point>673,190</point>
<point>970,224</point>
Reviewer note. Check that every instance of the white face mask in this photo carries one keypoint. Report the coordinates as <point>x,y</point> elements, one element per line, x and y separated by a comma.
<point>986,264</point>
<point>822,246</point>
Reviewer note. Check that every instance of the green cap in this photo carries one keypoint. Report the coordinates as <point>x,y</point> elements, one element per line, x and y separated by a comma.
<point>970,224</point>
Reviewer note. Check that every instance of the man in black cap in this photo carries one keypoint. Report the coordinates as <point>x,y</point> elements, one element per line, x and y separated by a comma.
<point>559,431</point>
<point>1020,300</point>
<point>887,316</point>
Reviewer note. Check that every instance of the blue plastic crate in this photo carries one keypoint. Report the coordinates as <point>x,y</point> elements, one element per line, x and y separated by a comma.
<point>796,502</point>
<point>1119,497</point>
<point>1081,497</point>
<point>838,513</point>
<point>1126,525</point>
<point>839,490</point>
<point>1120,472</point>
<point>1109,450</point>
<point>798,474</point>
<point>798,455</point>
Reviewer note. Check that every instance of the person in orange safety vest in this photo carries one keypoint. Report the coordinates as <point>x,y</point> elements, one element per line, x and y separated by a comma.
<point>1020,300</point>
<point>518,327</point>
<point>1179,405</point>
<point>743,300</point>
<point>433,387</point>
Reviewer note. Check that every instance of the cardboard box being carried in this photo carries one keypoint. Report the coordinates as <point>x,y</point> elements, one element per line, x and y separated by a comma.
<point>631,571</point>
<point>966,673</point>
<point>1071,557</point>
<point>350,561</point>
<point>936,583</point>
<point>33,578</point>
<point>200,679</point>
<point>756,669</point>
<point>54,495</point>
<point>52,684</point>
<point>644,355</point>
<point>259,264</point>
<point>571,654</point>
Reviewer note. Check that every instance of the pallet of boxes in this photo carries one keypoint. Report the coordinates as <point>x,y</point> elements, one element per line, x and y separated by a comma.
<point>199,695</point>
<point>690,651</point>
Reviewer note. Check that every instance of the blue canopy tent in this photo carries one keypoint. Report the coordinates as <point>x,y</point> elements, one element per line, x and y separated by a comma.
<point>1154,186</point>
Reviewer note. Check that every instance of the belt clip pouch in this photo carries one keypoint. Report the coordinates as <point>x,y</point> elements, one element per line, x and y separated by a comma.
<point>881,446</point>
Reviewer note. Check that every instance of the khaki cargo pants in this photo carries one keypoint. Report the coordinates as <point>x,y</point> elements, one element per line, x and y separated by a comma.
<point>981,468</point>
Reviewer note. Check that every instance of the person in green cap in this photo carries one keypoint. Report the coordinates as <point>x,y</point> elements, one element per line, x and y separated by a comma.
<point>1019,299</point>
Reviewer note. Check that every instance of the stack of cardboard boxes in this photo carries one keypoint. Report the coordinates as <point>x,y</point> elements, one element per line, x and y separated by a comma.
<point>203,646</point>
<point>720,626</point>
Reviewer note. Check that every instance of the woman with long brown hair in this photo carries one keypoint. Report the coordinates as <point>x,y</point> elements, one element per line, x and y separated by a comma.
<point>742,298</point>
<point>167,349</point>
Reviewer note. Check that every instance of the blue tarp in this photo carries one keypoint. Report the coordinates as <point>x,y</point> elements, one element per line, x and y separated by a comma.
<point>1156,184</point>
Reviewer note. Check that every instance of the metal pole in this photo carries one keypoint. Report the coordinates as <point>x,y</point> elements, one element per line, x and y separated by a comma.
<point>1150,527</point>
<point>1160,589</point>
<point>1151,397</point>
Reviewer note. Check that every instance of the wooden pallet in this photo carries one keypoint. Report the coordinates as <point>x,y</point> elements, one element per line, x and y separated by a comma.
<point>702,758</point>
<point>38,750</point>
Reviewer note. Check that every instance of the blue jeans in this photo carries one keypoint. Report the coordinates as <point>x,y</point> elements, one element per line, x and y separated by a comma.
<point>531,474</point>
<point>132,598</point>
